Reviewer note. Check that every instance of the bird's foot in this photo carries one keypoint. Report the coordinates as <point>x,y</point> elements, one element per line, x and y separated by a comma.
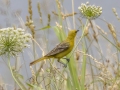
<point>64,65</point>
<point>67,59</point>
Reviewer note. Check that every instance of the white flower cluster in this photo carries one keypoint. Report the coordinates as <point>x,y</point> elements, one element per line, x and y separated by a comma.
<point>90,11</point>
<point>13,41</point>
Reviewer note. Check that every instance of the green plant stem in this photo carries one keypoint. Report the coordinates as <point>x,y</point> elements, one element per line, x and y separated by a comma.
<point>74,74</point>
<point>13,73</point>
<point>83,69</point>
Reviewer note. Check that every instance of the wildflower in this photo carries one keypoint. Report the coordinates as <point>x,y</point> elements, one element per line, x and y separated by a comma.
<point>90,11</point>
<point>13,41</point>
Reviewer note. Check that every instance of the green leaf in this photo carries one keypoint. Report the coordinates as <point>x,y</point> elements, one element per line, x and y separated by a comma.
<point>60,33</point>
<point>44,28</point>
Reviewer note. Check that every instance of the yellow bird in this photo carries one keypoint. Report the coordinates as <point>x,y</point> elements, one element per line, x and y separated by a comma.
<point>61,49</point>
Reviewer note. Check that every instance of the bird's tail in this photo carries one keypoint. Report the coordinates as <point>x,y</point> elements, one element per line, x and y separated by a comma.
<point>38,60</point>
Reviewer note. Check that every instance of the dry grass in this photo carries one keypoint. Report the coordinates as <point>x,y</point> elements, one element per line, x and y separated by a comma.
<point>94,64</point>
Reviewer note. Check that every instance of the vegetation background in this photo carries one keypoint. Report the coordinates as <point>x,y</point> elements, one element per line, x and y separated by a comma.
<point>96,62</point>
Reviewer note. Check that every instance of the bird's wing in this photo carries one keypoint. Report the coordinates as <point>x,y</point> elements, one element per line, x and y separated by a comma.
<point>59,48</point>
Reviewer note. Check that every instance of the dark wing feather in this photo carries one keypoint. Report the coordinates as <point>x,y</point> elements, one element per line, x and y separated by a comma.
<point>59,48</point>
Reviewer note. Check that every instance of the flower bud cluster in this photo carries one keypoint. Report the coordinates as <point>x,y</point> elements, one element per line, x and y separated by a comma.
<point>13,41</point>
<point>90,11</point>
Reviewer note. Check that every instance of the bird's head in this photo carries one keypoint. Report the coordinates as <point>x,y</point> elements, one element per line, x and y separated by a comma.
<point>72,34</point>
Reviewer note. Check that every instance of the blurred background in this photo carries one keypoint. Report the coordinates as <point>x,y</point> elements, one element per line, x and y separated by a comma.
<point>12,12</point>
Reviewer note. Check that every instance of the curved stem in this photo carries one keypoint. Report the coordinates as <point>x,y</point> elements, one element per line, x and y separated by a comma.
<point>13,73</point>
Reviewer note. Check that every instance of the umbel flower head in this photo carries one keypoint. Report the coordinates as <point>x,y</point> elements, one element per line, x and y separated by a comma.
<point>90,11</point>
<point>13,41</point>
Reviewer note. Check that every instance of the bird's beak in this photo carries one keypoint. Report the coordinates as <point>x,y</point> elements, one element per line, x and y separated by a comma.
<point>77,30</point>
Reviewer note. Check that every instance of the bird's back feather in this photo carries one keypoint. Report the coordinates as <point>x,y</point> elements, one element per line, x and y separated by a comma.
<point>59,49</point>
